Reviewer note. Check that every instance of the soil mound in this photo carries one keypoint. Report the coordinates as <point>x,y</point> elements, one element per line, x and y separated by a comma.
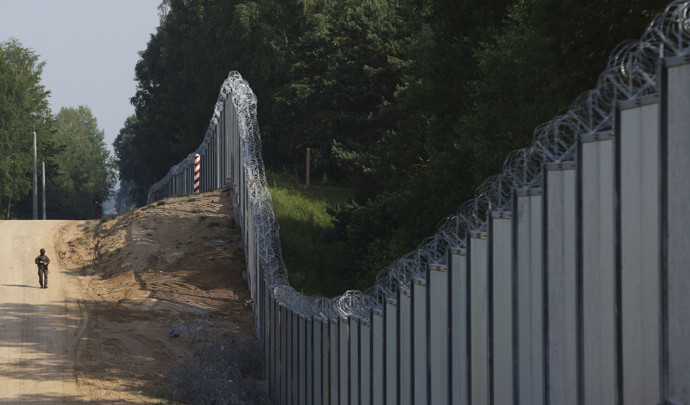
<point>157,283</point>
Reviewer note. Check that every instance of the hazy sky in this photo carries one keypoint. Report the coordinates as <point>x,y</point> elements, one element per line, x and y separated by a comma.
<point>90,48</point>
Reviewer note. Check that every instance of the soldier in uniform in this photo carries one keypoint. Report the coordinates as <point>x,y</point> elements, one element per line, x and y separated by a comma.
<point>97,206</point>
<point>42,262</point>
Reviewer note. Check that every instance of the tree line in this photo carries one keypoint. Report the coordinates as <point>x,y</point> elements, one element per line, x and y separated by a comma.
<point>411,103</point>
<point>77,163</point>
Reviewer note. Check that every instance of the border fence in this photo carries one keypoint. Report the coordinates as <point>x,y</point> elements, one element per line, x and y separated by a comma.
<point>565,280</point>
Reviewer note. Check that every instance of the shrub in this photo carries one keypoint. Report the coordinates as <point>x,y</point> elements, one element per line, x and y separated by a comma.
<point>225,372</point>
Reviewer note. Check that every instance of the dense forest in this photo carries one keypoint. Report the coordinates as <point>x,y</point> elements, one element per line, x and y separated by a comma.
<point>410,103</point>
<point>77,163</point>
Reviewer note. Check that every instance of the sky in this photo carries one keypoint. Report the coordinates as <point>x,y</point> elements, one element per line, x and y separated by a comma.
<point>90,48</point>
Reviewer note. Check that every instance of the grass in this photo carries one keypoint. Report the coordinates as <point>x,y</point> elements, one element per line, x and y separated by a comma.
<point>106,219</point>
<point>314,265</point>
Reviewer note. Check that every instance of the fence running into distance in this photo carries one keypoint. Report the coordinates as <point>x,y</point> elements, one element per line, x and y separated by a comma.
<point>565,280</point>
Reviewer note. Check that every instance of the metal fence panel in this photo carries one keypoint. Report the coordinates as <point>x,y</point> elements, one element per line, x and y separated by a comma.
<point>459,300</point>
<point>390,351</point>
<point>405,346</point>
<point>501,238</point>
<point>283,397</point>
<point>318,372</point>
<point>561,273</point>
<point>333,355</point>
<point>273,351</point>
<point>365,357</point>
<point>528,214</point>
<point>599,293</point>
<point>439,389</point>
<point>480,384</point>
<point>325,362</point>
<point>378,384</point>
<point>291,346</point>
<point>302,350</point>
<point>344,359</point>
<point>419,342</point>
<point>677,218</point>
<point>353,358</point>
<point>310,355</point>
<point>639,191</point>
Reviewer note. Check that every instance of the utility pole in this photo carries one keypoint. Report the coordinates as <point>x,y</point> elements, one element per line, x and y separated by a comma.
<point>35,181</point>
<point>43,170</point>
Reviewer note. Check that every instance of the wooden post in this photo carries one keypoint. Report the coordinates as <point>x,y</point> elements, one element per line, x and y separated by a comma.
<point>308,162</point>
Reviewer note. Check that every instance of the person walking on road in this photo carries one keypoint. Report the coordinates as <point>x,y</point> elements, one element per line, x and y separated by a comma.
<point>42,262</point>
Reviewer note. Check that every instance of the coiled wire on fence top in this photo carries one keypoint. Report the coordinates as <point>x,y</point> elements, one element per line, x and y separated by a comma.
<point>631,72</point>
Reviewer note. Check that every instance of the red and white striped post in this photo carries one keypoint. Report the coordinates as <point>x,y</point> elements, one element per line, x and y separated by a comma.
<point>197,172</point>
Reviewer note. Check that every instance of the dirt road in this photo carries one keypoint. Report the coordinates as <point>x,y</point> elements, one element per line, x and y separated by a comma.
<point>100,334</point>
<point>39,328</point>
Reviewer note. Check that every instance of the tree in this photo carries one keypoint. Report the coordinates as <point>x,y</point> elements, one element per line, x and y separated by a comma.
<point>487,75</point>
<point>419,182</point>
<point>351,62</point>
<point>85,166</point>
<point>548,53</point>
<point>408,101</point>
<point>125,152</point>
<point>186,60</point>
<point>23,109</point>
<point>126,160</point>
